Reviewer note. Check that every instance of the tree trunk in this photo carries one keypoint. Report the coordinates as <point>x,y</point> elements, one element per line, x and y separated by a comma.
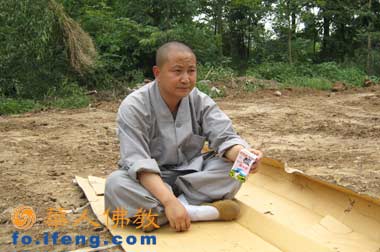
<point>369,55</point>
<point>315,37</point>
<point>290,29</point>
<point>369,42</point>
<point>219,18</point>
<point>326,36</point>
<point>249,42</point>
<point>342,32</point>
<point>294,19</point>
<point>215,25</point>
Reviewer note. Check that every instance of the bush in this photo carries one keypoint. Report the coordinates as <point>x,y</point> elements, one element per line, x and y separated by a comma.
<point>308,75</point>
<point>275,71</point>
<point>352,76</point>
<point>212,92</point>
<point>16,106</point>
<point>70,95</point>
<point>252,86</point>
<point>10,106</point>
<point>32,50</point>
<point>205,45</point>
<point>76,101</point>
<point>317,83</point>
<point>374,79</point>
<point>330,70</point>
<point>214,73</point>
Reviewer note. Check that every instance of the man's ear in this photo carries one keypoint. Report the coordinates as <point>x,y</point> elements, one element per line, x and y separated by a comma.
<point>156,71</point>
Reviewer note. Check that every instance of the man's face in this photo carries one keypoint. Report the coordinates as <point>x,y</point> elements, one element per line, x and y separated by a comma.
<point>177,76</point>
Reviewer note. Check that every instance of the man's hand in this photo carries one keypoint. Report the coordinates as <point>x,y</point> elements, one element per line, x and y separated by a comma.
<point>177,215</point>
<point>233,152</point>
<point>259,155</point>
<point>175,212</point>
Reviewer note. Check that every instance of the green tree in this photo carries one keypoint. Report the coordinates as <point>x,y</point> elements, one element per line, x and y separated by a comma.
<point>244,28</point>
<point>287,12</point>
<point>161,14</point>
<point>341,16</point>
<point>32,53</point>
<point>41,48</point>
<point>215,13</point>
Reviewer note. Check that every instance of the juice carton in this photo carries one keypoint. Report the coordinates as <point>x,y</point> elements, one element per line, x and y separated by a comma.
<point>242,165</point>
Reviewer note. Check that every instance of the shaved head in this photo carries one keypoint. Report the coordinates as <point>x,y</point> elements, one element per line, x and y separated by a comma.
<point>164,51</point>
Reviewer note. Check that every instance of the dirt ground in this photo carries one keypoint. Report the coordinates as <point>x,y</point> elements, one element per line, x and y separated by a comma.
<point>334,136</point>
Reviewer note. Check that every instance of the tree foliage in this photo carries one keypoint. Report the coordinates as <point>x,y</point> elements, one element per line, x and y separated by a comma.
<point>31,53</point>
<point>44,49</point>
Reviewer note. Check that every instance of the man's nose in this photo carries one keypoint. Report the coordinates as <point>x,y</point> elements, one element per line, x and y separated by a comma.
<point>185,78</point>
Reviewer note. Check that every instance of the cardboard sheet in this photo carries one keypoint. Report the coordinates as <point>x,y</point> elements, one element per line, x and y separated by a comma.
<point>281,212</point>
<point>97,184</point>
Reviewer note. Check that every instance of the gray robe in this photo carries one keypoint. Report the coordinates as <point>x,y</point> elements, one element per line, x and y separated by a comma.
<point>152,139</point>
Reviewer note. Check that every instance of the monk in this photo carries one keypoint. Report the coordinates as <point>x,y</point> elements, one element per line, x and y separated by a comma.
<point>162,128</point>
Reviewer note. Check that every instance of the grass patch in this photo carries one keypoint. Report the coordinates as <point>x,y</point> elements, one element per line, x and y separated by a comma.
<point>70,96</point>
<point>9,106</point>
<point>333,72</point>
<point>69,102</point>
<point>319,76</point>
<point>313,82</point>
<point>214,73</point>
<point>213,92</point>
<point>16,106</point>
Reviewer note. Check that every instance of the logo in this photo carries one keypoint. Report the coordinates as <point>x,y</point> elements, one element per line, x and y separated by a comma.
<point>23,217</point>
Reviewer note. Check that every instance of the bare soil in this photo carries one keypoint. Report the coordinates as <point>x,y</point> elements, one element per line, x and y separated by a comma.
<point>334,136</point>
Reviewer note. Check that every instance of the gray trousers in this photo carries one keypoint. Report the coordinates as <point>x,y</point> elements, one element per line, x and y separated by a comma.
<point>211,183</point>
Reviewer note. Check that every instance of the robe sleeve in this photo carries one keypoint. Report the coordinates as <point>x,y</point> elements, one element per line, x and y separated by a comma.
<point>133,126</point>
<point>217,127</point>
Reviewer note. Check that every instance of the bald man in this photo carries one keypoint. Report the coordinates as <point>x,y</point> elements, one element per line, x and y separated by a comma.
<point>162,128</point>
